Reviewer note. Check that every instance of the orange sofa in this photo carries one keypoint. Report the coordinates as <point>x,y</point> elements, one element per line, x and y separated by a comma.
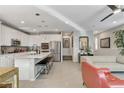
<point>99,77</point>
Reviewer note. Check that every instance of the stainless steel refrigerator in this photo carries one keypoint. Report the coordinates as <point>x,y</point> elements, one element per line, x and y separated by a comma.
<point>55,48</point>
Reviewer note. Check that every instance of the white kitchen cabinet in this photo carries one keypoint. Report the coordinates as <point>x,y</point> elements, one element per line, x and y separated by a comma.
<point>10,33</point>
<point>6,61</point>
<point>24,40</point>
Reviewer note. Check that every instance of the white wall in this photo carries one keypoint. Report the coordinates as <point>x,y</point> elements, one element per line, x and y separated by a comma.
<point>10,33</point>
<point>91,39</point>
<point>75,46</point>
<point>113,50</point>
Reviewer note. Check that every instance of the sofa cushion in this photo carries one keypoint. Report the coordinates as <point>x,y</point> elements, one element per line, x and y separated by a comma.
<point>114,67</point>
<point>107,62</point>
<point>120,59</point>
<point>101,59</point>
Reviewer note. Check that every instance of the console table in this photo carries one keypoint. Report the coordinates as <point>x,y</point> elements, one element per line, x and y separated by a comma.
<point>80,54</point>
<point>7,73</point>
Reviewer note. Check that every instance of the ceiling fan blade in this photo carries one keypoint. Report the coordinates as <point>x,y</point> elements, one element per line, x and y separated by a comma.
<point>107,17</point>
<point>113,7</point>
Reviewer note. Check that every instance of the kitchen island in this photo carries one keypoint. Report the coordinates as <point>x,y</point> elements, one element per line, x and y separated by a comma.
<point>28,65</point>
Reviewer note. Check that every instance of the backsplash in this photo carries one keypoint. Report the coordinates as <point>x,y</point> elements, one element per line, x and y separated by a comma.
<point>13,49</point>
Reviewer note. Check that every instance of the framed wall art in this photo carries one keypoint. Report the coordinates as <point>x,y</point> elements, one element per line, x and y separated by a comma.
<point>105,42</point>
<point>84,42</point>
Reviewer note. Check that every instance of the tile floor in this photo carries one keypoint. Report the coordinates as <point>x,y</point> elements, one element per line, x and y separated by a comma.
<point>62,75</point>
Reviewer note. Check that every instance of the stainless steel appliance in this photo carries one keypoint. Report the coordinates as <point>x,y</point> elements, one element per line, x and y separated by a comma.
<point>45,47</point>
<point>55,48</point>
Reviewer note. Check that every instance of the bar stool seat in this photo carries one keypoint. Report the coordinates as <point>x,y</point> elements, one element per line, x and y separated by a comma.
<point>46,63</point>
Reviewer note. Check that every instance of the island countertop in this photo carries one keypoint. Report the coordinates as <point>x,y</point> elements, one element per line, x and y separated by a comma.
<point>33,56</point>
<point>28,65</point>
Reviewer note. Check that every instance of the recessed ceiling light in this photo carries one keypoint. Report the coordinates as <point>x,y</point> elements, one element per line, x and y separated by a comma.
<point>22,22</point>
<point>66,22</point>
<point>34,29</point>
<point>114,22</point>
<point>37,14</point>
<point>56,29</point>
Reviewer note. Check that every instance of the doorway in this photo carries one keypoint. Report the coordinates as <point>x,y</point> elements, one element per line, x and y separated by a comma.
<point>67,45</point>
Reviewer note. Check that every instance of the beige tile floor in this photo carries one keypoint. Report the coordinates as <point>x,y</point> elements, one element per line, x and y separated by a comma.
<point>62,75</point>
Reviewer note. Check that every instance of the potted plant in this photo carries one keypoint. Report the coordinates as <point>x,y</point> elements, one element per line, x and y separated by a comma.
<point>89,51</point>
<point>119,40</point>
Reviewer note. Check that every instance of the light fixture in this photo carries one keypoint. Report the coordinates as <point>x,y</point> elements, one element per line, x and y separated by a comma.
<point>34,29</point>
<point>117,11</point>
<point>114,22</point>
<point>56,29</point>
<point>95,32</point>
<point>66,22</point>
<point>22,22</point>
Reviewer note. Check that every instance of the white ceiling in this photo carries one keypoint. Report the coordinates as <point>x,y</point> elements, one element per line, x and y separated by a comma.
<point>15,14</point>
<point>89,16</point>
<point>60,17</point>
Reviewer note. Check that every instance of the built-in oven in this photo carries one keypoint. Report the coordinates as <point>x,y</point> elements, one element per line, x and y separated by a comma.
<point>45,47</point>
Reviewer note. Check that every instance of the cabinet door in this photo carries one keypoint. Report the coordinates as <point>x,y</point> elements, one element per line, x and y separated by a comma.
<point>7,61</point>
<point>2,63</point>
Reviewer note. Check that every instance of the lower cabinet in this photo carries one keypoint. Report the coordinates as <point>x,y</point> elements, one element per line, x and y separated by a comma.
<point>6,61</point>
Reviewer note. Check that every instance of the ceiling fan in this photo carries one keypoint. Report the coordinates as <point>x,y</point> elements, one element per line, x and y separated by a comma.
<point>116,9</point>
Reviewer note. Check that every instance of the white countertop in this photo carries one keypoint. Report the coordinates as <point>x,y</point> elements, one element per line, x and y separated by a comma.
<point>32,56</point>
<point>29,52</point>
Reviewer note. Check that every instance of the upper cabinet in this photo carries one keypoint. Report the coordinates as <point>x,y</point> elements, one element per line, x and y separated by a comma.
<point>10,33</point>
<point>43,38</point>
<point>7,34</point>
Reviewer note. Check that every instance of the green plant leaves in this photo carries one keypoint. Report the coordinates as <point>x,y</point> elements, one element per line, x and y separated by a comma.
<point>119,40</point>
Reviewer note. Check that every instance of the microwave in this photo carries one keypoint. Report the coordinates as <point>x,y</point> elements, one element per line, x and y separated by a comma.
<point>15,42</point>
